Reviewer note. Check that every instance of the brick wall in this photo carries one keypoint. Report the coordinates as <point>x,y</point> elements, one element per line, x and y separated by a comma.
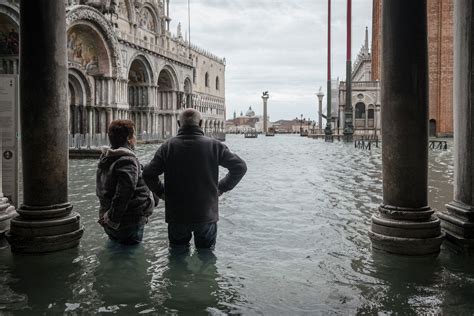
<point>440,60</point>
<point>376,38</point>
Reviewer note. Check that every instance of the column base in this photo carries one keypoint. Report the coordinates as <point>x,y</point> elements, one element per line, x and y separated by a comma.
<point>30,233</point>
<point>403,231</point>
<point>7,212</point>
<point>458,224</point>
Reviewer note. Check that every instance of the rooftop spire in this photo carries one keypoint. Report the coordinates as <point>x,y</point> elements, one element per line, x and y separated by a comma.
<point>366,38</point>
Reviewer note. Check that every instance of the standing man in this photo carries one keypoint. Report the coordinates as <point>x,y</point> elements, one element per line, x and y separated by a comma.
<point>190,162</point>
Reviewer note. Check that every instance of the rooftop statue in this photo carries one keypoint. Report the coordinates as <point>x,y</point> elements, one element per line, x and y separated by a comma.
<point>104,6</point>
<point>178,32</point>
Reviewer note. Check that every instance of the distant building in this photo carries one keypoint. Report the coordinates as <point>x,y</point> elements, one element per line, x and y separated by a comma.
<point>243,123</point>
<point>288,126</point>
<point>364,112</point>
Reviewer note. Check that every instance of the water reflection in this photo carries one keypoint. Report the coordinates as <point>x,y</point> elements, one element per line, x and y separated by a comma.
<point>292,240</point>
<point>405,285</point>
<point>45,282</point>
<point>121,279</point>
<point>191,283</point>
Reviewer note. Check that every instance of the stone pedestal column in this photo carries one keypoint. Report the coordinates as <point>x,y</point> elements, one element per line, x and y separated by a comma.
<point>46,221</point>
<point>405,224</point>
<point>320,110</point>
<point>458,219</point>
<point>265,101</point>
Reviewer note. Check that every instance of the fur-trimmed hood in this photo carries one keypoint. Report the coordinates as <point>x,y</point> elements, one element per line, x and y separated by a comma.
<point>110,155</point>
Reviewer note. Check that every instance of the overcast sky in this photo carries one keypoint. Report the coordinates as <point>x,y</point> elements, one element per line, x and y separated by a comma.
<point>274,45</point>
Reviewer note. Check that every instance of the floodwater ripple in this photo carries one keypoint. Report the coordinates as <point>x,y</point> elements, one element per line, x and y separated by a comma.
<point>292,240</point>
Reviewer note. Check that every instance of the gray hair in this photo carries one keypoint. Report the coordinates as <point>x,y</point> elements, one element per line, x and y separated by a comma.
<point>190,117</point>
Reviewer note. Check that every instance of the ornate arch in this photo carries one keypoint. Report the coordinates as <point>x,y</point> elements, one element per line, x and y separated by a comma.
<point>81,13</point>
<point>130,10</point>
<point>148,6</point>
<point>80,80</point>
<point>174,77</point>
<point>187,83</point>
<point>146,62</point>
<point>12,11</point>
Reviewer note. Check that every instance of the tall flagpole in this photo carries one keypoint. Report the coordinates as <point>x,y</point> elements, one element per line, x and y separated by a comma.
<point>189,27</point>
<point>348,126</point>
<point>328,129</point>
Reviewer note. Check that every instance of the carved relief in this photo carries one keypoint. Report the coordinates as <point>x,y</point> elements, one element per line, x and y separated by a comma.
<point>123,10</point>
<point>147,20</point>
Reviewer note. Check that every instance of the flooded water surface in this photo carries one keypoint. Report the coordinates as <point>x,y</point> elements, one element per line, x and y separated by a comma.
<point>292,240</point>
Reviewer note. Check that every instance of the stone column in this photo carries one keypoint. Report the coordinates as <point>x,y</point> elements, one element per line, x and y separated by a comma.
<point>458,219</point>
<point>265,97</point>
<point>378,117</point>
<point>46,222</point>
<point>174,124</point>
<point>320,110</point>
<point>405,224</point>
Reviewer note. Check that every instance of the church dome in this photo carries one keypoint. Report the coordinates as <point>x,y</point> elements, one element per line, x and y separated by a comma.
<point>250,112</point>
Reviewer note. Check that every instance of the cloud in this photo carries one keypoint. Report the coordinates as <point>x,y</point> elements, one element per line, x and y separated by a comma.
<point>274,45</point>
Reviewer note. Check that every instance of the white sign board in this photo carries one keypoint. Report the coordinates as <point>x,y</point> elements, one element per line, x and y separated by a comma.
<point>9,137</point>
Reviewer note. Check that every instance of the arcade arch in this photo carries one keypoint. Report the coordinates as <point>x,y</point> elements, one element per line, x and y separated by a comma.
<point>140,95</point>
<point>167,98</point>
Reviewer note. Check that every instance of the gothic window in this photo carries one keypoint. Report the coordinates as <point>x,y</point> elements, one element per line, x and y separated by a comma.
<point>206,80</point>
<point>360,111</point>
<point>217,83</point>
<point>370,114</point>
<point>194,75</point>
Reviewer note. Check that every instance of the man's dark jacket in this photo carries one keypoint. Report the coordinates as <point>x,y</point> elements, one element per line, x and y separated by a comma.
<point>121,189</point>
<point>190,162</point>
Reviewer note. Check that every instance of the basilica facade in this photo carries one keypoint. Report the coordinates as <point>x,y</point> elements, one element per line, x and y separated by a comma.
<point>125,63</point>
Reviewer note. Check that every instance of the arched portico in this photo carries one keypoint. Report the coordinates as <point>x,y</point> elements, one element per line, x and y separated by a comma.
<point>167,100</point>
<point>80,115</point>
<point>9,43</point>
<point>140,94</point>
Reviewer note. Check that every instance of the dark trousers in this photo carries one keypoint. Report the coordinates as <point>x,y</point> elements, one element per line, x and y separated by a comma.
<point>130,235</point>
<point>204,235</point>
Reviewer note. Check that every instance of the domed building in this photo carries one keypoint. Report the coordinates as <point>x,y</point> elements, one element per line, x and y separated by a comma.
<point>243,123</point>
<point>250,112</point>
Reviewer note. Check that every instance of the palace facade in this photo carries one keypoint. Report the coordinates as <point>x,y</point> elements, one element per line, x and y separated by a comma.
<point>124,62</point>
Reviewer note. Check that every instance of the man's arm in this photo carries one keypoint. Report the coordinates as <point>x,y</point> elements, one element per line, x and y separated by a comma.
<point>237,169</point>
<point>151,172</point>
<point>126,172</point>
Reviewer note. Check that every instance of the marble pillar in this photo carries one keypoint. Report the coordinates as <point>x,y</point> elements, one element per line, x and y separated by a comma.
<point>265,101</point>
<point>405,224</point>
<point>320,110</point>
<point>458,218</point>
<point>46,221</point>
